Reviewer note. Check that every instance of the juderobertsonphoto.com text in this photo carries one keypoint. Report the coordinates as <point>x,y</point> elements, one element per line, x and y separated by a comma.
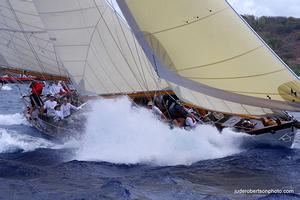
<point>264,191</point>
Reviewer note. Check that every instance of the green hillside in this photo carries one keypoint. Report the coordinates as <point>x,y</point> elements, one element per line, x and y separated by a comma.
<point>282,34</point>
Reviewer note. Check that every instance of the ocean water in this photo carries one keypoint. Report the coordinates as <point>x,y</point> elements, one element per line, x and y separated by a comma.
<point>125,153</point>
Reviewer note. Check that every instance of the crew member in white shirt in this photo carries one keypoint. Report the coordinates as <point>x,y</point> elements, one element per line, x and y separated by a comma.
<point>50,105</point>
<point>66,108</point>
<point>58,113</point>
<point>190,121</point>
<point>55,89</point>
<point>156,111</point>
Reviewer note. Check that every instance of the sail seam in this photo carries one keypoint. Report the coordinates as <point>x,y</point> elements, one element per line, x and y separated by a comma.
<point>221,61</point>
<point>68,11</point>
<point>237,77</point>
<point>18,11</point>
<point>192,22</point>
<point>20,46</point>
<point>18,38</point>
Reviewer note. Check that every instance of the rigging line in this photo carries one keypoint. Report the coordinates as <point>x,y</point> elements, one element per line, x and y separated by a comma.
<point>23,47</point>
<point>19,56</point>
<point>38,38</point>
<point>24,54</point>
<point>11,38</point>
<point>97,78</point>
<point>221,61</point>
<point>16,52</point>
<point>30,25</point>
<point>89,46</point>
<point>191,22</point>
<point>246,109</point>
<point>101,66</point>
<point>23,41</point>
<point>134,75</point>
<point>112,61</point>
<point>26,37</point>
<point>90,43</point>
<point>237,77</point>
<point>58,65</point>
<point>228,107</point>
<point>19,11</point>
<point>150,69</point>
<point>128,45</point>
<point>91,85</point>
<point>140,61</point>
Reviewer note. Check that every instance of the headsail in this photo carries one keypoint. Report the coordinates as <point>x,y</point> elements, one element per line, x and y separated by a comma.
<point>205,48</point>
<point>24,44</point>
<point>97,48</point>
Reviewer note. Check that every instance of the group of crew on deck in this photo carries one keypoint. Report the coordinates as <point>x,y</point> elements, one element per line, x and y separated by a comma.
<point>56,104</point>
<point>167,108</point>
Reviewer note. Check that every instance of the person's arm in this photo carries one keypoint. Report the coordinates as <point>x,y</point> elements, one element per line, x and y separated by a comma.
<point>74,107</point>
<point>45,105</point>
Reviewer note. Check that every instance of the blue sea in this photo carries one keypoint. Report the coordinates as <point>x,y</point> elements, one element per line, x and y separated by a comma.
<point>125,153</point>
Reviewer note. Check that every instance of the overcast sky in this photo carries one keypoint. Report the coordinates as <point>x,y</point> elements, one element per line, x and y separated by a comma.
<point>267,7</point>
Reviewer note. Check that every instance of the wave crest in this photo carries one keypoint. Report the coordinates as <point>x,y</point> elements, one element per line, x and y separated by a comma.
<point>119,133</point>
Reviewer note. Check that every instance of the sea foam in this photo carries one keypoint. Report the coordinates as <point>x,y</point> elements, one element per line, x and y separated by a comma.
<point>116,132</point>
<point>12,119</point>
<point>6,87</point>
<point>12,141</point>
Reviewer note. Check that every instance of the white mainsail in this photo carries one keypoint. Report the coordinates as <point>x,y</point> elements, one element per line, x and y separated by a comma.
<point>97,48</point>
<point>24,43</point>
<point>211,55</point>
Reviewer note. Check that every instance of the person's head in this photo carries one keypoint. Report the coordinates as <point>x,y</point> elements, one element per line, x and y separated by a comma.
<point>65,101</point>
<point>190,115</point>
<point>57,107</point>
<point>52,98</point>
<point>150,104</point>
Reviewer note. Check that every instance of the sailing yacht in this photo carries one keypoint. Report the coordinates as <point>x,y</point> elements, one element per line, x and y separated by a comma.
<point>200,51</point>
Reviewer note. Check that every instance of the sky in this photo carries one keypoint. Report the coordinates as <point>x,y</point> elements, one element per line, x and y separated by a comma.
<point>267,7</point>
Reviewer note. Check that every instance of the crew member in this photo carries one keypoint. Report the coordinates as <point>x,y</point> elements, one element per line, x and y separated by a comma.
<point>56,89</point>
<point>66,108</point>
<point>58,113</point>
<point>190,121</point>
<point>36,91</point>
<point>50,105</point>
<point>156,111</point>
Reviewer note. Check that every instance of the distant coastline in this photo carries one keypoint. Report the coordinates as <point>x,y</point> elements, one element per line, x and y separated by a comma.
<point>282,34</point>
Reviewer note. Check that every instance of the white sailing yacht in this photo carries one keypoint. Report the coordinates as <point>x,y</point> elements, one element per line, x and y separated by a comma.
<point>202,51</point>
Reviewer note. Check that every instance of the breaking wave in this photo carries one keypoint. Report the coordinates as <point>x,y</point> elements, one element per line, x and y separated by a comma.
<point>12,119</point>
<point>11,141</point>
<point>296,144</point>
<point>6,87</point>
<point>116,132</point>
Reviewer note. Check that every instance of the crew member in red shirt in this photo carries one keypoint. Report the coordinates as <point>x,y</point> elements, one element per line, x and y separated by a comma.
<point>36,92</point>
